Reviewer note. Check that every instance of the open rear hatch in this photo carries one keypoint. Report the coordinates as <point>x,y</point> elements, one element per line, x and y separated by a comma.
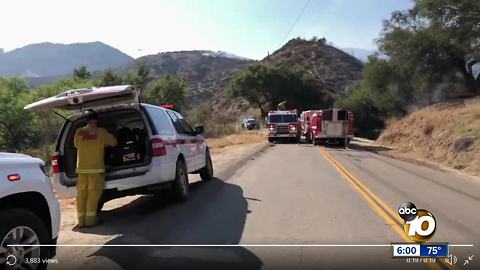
<point>88,98</point>
<point>130,157</point>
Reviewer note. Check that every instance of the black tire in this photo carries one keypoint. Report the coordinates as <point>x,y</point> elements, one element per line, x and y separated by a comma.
<point>206,173</point>
<point>308,138</point>
<point>314,142</point>
<point>17,217</point>
<point>271,140</point>
<point>180,185</point>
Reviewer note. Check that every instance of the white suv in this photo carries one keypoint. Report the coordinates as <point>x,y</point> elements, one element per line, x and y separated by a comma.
<point>29,212</point>
<point>156,147</point>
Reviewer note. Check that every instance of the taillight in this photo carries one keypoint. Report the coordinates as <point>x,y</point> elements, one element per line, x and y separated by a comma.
<point>158,148</point>
<point>13,177</point>
<point>271,127</point>
<point>55,166</point>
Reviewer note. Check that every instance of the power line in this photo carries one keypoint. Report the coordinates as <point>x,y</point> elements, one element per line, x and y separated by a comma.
<point>298,18</point>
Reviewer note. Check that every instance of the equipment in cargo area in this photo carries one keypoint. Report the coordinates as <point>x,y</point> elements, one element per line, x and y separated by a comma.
<point>332,126</point>
<point>129,150</point>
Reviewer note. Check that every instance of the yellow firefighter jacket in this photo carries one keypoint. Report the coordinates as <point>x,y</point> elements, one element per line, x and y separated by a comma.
<point>90,143</point>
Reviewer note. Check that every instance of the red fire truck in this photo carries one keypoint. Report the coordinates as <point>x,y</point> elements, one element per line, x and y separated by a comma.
<point>333,126</point>
<point>283,125</point>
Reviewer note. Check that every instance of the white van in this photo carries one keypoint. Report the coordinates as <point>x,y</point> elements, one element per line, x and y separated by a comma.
<point>156,147</point>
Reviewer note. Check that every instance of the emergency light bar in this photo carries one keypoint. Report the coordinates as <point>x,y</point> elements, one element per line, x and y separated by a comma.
<point>283,112</point>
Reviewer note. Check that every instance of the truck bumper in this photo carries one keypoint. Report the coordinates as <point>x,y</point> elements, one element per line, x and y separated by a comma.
<point>289,135</point>
<point>321,136</point>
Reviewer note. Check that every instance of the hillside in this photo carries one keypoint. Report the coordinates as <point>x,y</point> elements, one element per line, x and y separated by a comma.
<point>444,133</point>
<point>51,59</point>
<point>333,68</point>
<point>207,72</point>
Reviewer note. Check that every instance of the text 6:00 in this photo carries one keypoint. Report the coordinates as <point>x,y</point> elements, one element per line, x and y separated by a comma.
<point>406,250</point>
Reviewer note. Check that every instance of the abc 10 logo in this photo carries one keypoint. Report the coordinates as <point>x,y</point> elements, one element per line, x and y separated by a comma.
<point>419,224</point>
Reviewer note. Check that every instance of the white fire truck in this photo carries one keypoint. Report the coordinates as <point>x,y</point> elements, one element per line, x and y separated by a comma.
<point>283,125</point>
<point>332,126</point>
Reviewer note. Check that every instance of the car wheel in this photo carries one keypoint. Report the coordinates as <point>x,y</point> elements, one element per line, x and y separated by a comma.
<point>206,173</point>
<point>180,184</point>
<point>22,227</point>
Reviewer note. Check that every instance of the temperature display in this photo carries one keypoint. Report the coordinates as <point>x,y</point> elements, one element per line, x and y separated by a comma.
<point>420,250</point>
<point>434,250</point>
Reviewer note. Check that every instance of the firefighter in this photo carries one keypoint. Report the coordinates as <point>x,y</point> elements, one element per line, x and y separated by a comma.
<point>282,106</point>
<point>90,142</point>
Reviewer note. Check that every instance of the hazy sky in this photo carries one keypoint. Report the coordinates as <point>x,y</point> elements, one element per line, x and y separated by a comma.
<point>247,28</point>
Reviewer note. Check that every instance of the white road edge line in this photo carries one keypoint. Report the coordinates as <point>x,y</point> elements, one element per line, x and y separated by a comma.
<point>259,245</point>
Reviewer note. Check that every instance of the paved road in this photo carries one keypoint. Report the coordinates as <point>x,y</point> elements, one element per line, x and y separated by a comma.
<point>292,194</point>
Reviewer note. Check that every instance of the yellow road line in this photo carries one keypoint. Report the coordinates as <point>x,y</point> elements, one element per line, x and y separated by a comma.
<point>385,206</point>
<point>378,205</point>
<point>379,201</point>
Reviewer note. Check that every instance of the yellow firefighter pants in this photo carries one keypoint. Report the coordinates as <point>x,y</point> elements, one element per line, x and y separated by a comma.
<point>89,191</point>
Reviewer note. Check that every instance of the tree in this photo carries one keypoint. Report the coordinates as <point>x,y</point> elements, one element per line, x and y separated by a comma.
<point>367,117</point>
<point>267,85</point>
<point>16,124</point>
<point>169,90</point>
<point>81,73</point>
<point>382,94</point>
<point>109,78</point>
<point>433,41</point>
<point>140,76</point>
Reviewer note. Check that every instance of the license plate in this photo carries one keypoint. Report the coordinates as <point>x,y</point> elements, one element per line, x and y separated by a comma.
<point>129,157</point>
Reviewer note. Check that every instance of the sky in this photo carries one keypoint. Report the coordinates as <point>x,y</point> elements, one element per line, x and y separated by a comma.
<point>248,28</point>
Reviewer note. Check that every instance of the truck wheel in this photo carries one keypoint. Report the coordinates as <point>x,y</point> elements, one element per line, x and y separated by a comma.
<point>206,173</point>
<point>271,140</point>
<point>180,184</point>
<point>32,231</point>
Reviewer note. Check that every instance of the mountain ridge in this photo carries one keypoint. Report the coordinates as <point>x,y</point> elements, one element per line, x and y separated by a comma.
<point>57,59</point>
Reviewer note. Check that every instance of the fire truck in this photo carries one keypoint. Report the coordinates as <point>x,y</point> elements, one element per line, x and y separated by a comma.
<point>332,126</point>
<point>283,125</point>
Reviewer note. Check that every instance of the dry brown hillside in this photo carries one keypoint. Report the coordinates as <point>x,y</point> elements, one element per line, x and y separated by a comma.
<point>209,73</point>
<point>445,133</point>
<point>332,68</point>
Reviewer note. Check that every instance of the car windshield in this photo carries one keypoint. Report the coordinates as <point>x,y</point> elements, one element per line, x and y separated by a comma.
<point>251,121</point>
<point>282,118</point>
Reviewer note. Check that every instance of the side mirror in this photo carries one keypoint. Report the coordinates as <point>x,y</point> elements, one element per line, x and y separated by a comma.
<point>199,130</point>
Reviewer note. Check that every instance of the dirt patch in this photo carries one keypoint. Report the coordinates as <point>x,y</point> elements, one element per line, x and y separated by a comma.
<point>236,139</point>
<point>68,203</point>
<point>448,134</point>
